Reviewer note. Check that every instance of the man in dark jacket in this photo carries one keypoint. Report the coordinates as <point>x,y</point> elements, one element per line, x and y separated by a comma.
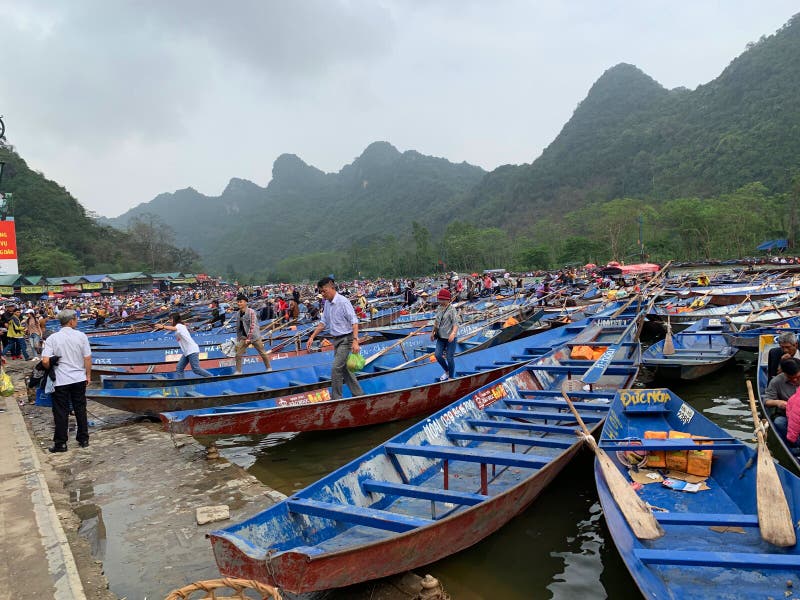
<point>248,334</point>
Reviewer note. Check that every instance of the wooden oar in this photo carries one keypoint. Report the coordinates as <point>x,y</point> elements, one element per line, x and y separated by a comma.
<point>669,346</point>
<point>633,508</point>
<point>774,517</point>
<point>395,345</point>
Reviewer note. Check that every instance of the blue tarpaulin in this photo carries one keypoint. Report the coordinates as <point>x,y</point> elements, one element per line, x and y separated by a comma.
<point>773,245</point>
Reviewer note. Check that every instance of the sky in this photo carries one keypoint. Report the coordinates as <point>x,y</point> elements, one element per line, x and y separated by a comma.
<point>120,100</point>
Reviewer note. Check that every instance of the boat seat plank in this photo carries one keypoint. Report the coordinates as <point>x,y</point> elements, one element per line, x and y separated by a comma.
<point>609,394</point>
<point>521,426</point>
<point>522,440</point>
<point>228,393</point>
<point>623,344</point>
<point>505,363</point>
<point>741,560</point>
<point>193,394</point>
<point>557,404</point>
<point>297,382</point>
<point>357,515</point>
<point>264,388</point>
<point>729,520</point>
<point>559,370</point>
<point>423,493</point>
<point>534,351</point>
<point>575,362</point>
<point>530,414</point>
<point>507,459</point>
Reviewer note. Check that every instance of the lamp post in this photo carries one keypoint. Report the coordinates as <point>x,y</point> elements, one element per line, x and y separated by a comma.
<point>641,241</point>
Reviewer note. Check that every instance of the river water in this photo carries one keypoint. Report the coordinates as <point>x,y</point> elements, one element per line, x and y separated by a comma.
<point>558,548</point>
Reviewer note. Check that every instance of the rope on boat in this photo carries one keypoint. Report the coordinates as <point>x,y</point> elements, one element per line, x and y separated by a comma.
<point>762,427</point>
<point>212,586</point>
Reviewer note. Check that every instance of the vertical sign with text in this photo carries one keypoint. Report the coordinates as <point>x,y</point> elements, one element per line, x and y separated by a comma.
<point>8,248</point>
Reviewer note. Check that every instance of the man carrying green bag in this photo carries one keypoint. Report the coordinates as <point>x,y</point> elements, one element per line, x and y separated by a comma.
<point>340,319</point>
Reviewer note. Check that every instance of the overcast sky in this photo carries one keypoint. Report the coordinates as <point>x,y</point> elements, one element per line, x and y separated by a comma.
<point>119,101</point>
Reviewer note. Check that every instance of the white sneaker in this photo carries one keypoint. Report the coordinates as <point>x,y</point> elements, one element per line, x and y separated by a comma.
<point>444,377</point>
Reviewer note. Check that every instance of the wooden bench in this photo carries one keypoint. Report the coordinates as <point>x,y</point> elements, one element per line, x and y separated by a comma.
<point>356,515</point>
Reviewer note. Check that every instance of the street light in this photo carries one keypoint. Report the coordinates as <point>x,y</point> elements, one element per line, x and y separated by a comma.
<point>2,164</point>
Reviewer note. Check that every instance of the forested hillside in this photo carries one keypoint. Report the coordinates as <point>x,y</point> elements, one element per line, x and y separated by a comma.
<point>56,236</point>
<point>631,137</point>
<point>704,173</point>
<point>249,230</point>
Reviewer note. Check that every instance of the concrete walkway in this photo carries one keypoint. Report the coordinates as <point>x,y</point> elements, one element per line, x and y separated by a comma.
<point>35,558</point>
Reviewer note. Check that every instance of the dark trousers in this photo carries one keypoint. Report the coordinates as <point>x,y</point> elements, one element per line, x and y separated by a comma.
<point>62,396</point>
<point>340,374</point>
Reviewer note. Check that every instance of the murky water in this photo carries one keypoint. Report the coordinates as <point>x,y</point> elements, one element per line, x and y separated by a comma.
<point>558,548</point>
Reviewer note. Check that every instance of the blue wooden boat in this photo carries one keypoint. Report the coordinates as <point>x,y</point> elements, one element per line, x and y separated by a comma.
<point>391,396</point>
<point>397,354</point>
<point>700,350</point>
<point>692,560</point>
<point>747,339</point>
<point>767,343</point>
<point>441,486</point>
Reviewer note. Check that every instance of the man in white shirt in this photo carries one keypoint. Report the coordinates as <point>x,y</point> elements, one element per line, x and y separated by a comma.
<point>189,348</point>
<point>67,352</point>
<point>339,318</point>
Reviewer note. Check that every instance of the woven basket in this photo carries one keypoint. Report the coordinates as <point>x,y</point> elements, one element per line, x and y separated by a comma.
<point>243,589</point>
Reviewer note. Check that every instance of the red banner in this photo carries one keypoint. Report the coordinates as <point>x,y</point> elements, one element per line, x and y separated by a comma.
<point>8,241</point>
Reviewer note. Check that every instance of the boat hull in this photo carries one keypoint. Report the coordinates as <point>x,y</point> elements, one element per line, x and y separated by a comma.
<point>302,413</point>
<point>297,572</point>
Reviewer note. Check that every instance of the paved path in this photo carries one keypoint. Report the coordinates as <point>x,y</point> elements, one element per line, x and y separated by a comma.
<point>35,558</point>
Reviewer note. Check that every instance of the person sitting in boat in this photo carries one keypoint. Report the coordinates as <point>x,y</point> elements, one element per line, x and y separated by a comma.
<point>787,348</point>
<point>793,422</point>
<point>780,389</point>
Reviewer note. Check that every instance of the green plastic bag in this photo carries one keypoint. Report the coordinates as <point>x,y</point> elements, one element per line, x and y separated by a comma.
<point>7,388</point>
<point>355,362</point>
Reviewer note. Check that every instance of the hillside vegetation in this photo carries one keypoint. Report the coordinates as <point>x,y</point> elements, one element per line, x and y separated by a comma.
<point>56,236</point>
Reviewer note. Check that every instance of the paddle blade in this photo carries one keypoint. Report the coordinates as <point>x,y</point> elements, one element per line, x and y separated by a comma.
<point>774,517</point>
<point>669,347</point>
<point>638,515</point>
<point>636,512</point>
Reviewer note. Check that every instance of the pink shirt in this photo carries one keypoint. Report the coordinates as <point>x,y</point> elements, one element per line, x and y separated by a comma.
<point>793,417</point>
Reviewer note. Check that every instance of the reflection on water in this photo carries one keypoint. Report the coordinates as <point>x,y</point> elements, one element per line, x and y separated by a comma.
<point>558,548</point>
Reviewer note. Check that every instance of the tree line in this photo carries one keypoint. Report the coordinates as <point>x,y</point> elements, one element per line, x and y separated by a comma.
<point>729,225</point>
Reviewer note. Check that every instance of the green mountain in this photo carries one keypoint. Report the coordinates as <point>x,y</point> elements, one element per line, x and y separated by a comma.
<point>250,229</point>
<point>632,137</point>
<point>678,162</point>
<point>56,236</point>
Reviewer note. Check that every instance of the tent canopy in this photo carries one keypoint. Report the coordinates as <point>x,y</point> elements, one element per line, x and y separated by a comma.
<point>773,245</point>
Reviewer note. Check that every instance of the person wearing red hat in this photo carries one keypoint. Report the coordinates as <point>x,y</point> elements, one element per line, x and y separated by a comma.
<point>445,327</point>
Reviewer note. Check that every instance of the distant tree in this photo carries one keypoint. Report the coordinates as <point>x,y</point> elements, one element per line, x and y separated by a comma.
<point>154,237</point>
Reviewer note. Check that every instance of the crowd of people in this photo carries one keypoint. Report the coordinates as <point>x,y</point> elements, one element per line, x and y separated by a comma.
<point>338,308</point>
